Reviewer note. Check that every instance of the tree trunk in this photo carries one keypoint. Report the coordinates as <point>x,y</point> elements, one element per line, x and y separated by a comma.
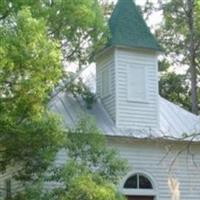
<point>193,71</point>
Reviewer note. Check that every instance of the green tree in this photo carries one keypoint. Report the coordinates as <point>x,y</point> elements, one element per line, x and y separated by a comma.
<point>174,88</point>
<point>36,37</point>
<point>93,169</point>
<point>186,39</point>
<point>79,25</point>
<point>179,33</point>
<point>29,67</point>
<point>88,147</point>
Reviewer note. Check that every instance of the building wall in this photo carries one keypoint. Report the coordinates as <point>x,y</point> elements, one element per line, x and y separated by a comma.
<point>157,159</point>
<point>107,61</point>
<point>134,114</point>
<point>163,161</point>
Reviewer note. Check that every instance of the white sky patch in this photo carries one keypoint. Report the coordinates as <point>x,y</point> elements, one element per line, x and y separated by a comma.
<point>154,19</point>
<point>179,69</point>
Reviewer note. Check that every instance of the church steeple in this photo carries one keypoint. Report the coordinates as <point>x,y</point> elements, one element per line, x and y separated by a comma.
<point>127,71</point>
<point>128,28</point>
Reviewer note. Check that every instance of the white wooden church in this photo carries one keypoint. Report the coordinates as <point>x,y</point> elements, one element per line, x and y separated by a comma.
<point>146,129</point>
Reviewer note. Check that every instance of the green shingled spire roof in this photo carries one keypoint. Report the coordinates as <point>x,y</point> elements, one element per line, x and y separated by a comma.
<point>128,28</point>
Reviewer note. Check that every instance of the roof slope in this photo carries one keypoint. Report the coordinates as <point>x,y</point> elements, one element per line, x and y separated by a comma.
<point>174,121</point>
<point>128,28</point>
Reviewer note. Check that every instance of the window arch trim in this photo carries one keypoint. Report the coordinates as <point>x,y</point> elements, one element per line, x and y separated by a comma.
<point>139,192</point>
<point>138,181</point>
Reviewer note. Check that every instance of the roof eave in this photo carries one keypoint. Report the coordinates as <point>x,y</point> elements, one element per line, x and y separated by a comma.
<point>155,139</point>
<point>103,51</point>
<point>147,49</point>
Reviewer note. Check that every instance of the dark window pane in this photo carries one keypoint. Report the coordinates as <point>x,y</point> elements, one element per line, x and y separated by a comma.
<point>144,183</point>
<point>131,182</point>
<point>140,198</point>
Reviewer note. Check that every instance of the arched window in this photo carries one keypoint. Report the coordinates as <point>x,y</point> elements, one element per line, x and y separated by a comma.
<point>139,186</point>
<point>138,181</point>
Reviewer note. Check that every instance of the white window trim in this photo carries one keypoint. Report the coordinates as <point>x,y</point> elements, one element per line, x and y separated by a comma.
<point>139,192</point>
<point>139,100</point>
<point>106,69</point>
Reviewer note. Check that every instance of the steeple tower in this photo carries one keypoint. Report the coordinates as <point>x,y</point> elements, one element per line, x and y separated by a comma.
<point>127,71</point>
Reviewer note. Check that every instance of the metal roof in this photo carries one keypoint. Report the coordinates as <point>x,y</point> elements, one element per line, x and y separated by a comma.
<point>128,28</point>
<point>175,122</point>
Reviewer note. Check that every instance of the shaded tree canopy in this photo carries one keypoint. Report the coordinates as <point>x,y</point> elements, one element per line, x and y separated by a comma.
<point>36,36</point>
<point>179,33</point>
<point>92,168</point>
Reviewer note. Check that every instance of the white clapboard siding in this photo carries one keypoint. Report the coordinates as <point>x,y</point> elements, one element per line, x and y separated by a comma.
<point>151,157</point>
<point>133,113</point>
<point>106,62</point>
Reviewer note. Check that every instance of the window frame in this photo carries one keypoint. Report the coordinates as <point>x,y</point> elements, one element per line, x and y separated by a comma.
<point>139,192</point>
<point>138,183</point>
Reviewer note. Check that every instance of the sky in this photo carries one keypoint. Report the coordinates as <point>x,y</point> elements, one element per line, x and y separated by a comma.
<point>154,19</point>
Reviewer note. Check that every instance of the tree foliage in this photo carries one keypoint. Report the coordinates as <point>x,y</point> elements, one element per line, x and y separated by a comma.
<point>79,25</point>
<point>183,30</point>
<point>36,37</point>
<point>179,34</point>
<point>174,88</point>
<point>29,67</point>
<point>88,147</point>
<point>93,169</point>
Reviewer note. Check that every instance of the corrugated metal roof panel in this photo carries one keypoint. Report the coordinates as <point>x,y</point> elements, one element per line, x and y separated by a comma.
<point>174,121</point>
